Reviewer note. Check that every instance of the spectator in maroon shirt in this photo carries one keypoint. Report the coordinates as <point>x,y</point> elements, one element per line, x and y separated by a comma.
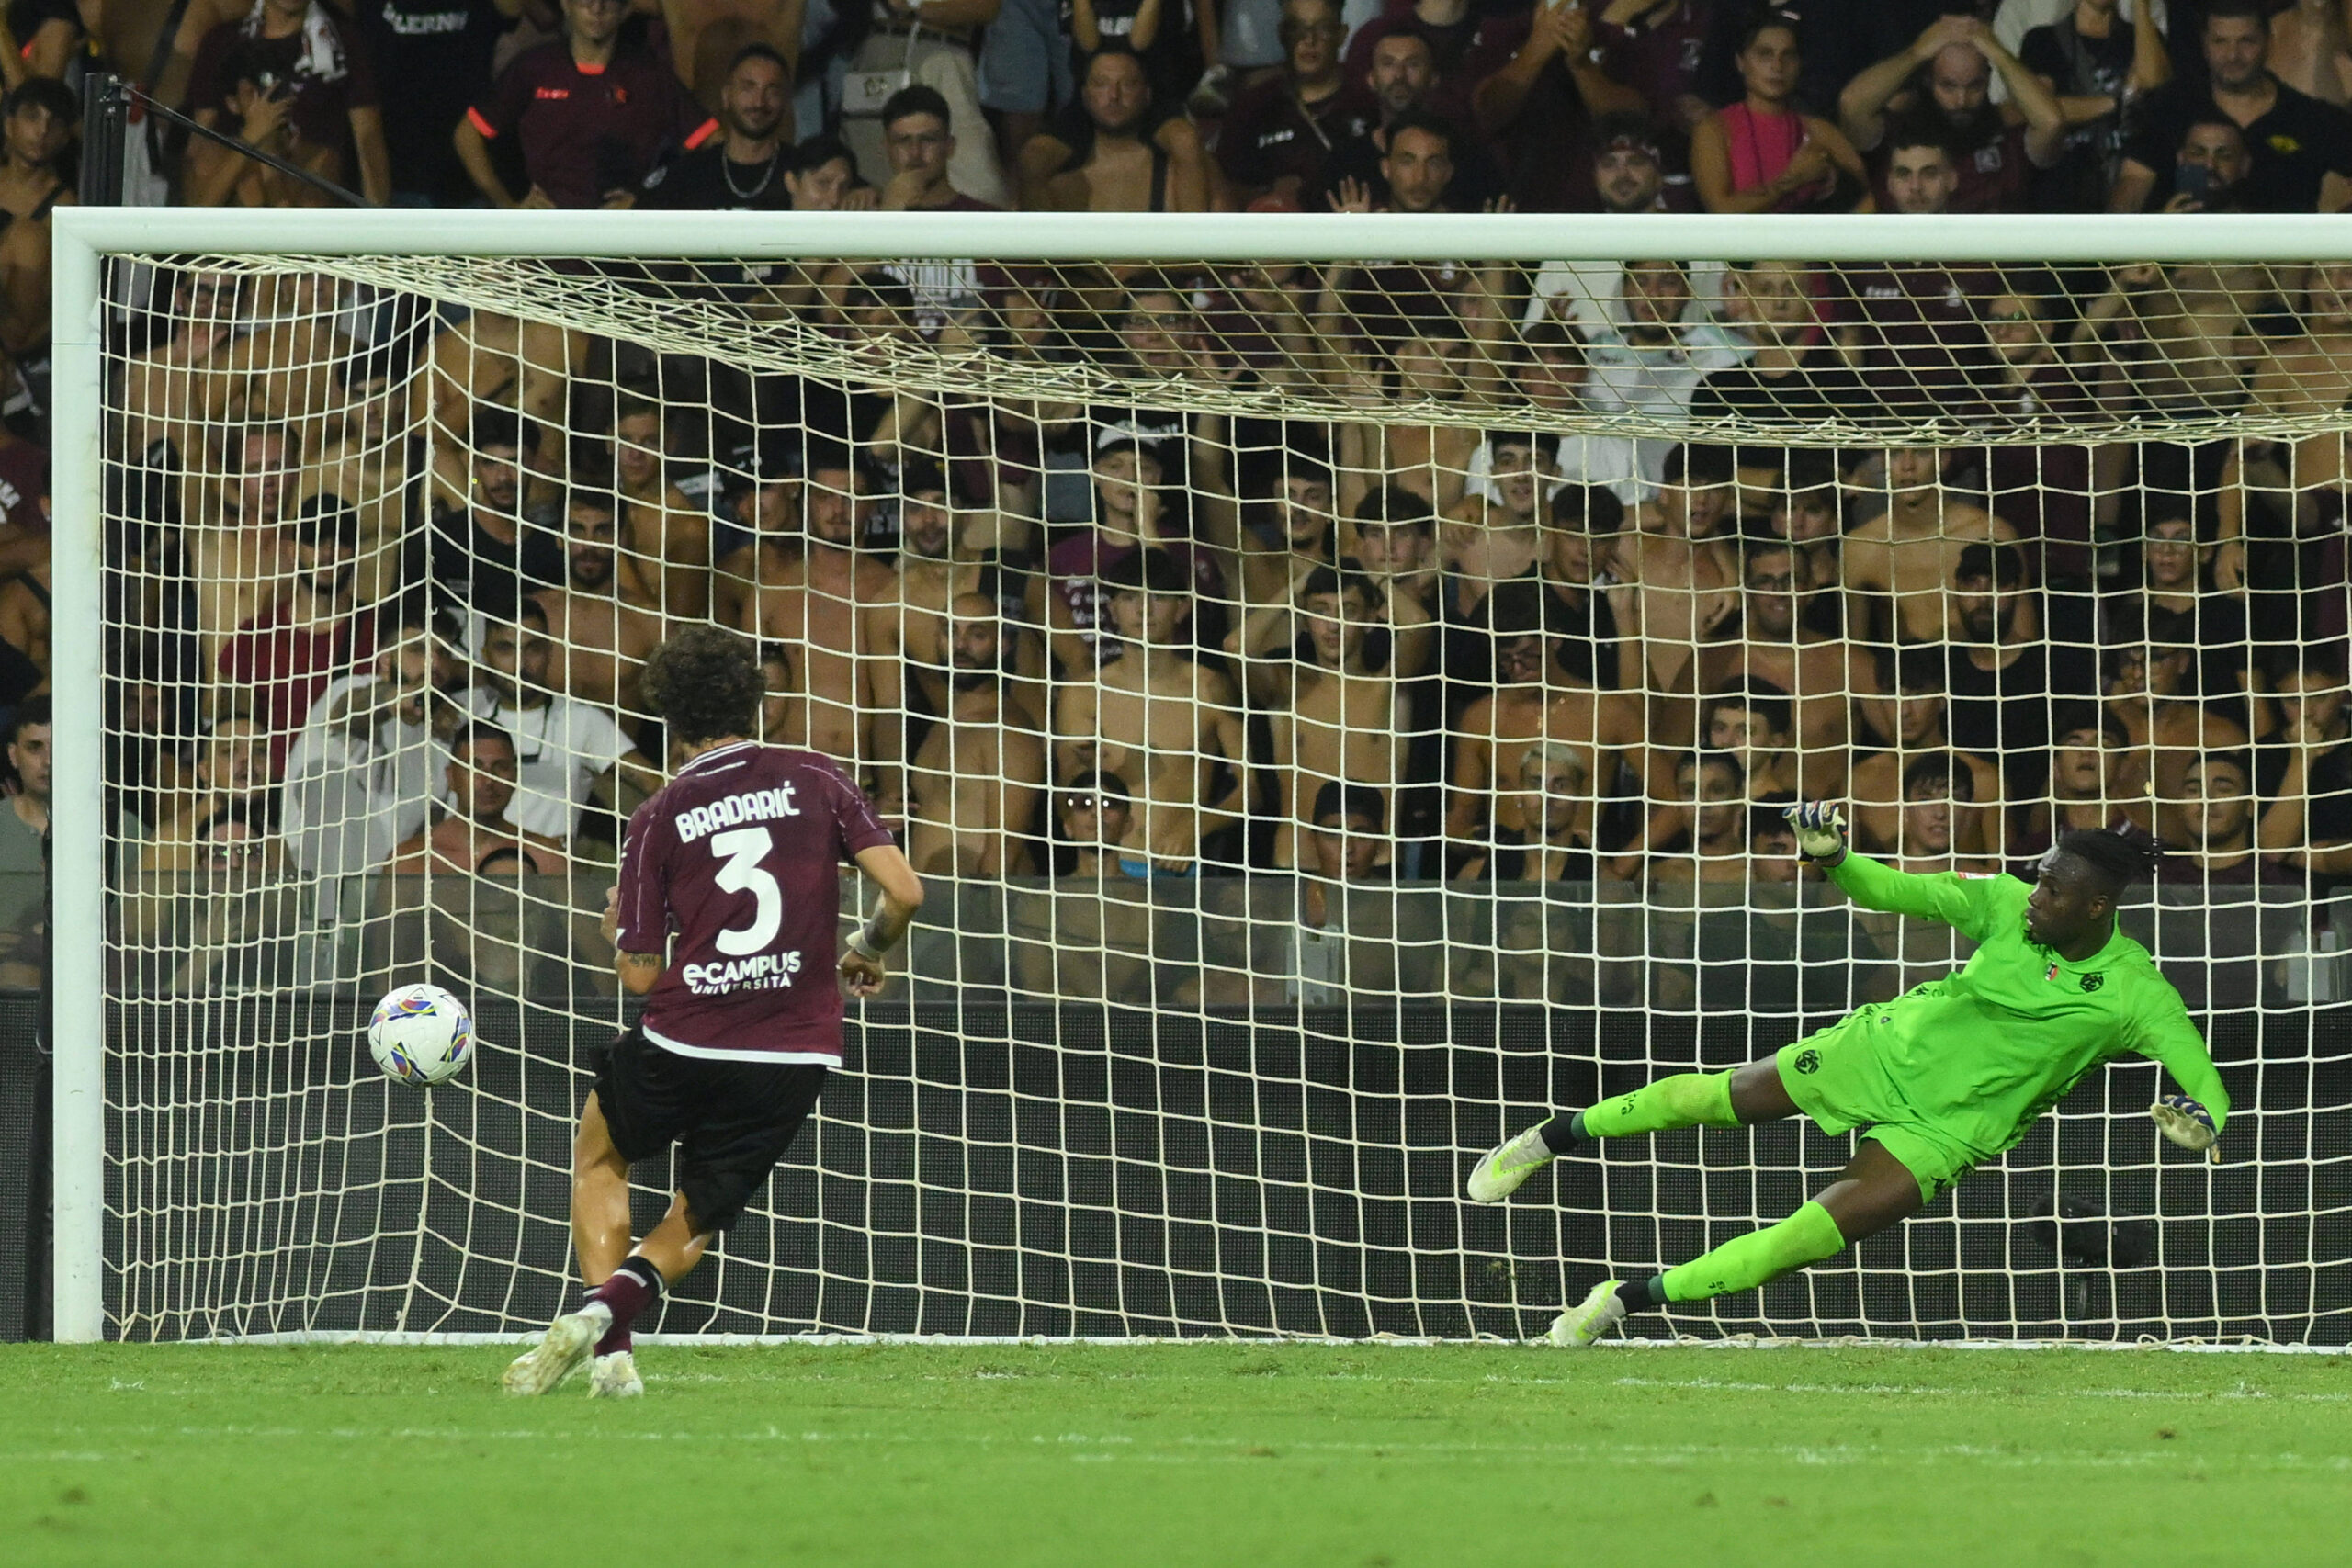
<point>1656,48</point>
<point>1945,77</point>
<point>591,111</point>
<point>1456,31</point>
<point>1539,103</point>
<point>285,657</point>
<point>310,87</point>
<point>1280,133</point>
<point>1404,82</point>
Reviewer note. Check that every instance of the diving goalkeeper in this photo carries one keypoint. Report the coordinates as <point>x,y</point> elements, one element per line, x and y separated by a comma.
<point>1945,1075</point>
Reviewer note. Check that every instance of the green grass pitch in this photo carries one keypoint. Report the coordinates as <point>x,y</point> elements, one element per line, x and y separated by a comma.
<point>1230,1454</point>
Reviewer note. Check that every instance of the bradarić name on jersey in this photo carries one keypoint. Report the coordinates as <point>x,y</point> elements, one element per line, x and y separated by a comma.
<point>752,805</point>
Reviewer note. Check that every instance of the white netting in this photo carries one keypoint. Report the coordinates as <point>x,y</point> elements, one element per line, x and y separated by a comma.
<point>1323,699</point>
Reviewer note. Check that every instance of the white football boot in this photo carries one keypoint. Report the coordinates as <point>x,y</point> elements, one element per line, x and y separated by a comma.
<point>1498,1173</point>
<point>1601,1309</point>
<point>565,1349</point>
<point>614,1377</point>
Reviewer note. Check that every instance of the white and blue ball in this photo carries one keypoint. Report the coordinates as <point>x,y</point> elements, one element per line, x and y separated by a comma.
<point>420,1035</point>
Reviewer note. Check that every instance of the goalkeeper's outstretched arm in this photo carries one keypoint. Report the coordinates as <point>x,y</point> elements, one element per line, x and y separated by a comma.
<point>1957,901</point>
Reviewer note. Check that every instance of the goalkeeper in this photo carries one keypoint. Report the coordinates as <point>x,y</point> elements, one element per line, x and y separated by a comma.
<point>1945,1075</point>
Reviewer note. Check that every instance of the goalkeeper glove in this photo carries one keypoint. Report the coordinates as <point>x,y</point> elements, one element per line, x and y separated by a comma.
<point>2187,1124</point>
<point>1821,831</point>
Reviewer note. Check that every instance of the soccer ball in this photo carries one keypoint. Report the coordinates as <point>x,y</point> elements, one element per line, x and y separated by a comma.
<point>421,1034</point>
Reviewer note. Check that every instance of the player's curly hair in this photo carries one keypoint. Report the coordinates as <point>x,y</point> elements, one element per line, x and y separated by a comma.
<point>705,682</point>
<point>2116,856</point>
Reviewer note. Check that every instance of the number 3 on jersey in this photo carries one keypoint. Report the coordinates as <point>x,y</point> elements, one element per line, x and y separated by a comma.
<point>744,848</point>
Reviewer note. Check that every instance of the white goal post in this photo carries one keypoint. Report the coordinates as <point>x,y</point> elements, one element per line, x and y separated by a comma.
<point>87,241</point>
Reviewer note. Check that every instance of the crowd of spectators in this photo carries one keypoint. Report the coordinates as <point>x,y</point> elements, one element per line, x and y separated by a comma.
<point>384,579</point>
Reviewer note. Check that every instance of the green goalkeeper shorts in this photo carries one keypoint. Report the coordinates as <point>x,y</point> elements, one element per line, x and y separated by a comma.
<point>1837,1079</point>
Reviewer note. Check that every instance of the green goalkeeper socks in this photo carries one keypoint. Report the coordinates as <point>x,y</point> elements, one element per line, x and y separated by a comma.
<point>1686,1100</point>
<point>1744,1262</point>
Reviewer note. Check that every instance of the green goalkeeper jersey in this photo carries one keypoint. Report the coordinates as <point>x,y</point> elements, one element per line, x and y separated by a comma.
<point>1987,1051</point>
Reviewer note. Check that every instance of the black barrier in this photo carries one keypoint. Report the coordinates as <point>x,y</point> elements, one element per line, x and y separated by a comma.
<point>1084,1170</point>
<point>24,1148</point>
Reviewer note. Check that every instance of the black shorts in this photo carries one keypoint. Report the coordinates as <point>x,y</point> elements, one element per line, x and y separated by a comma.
<point>731,1121</point>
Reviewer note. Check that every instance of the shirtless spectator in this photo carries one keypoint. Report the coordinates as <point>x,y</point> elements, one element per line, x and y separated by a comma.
<point>1910,723</point>
<point>2311,52</point>
<point>1677,580</point>
<point>588,112</point>
<point>1808,515</point>
<point>270,370</point>
<point>1530,701</point>
<point>278,662</point>
<point>163,388</point>
<point>1583,519</point>
<point>1909,556</point>
<point>1711,804</point>
<point>1090,937</point>
<point>487,555</point>
<point>231,770</point>
<point>1755,725</point>
<point>832,607</point>
<point>1342,721</point>
<point>1537,103</point>
<point>1112,152</point>
<point>525,367</point>
<point>2305,772</point>
<point>1938,789</point>
<point>603,631</point>
<point>36,121</point>
<point>2151,690</point>
<point>472,829</point>
<point>974,786</point>
<point>709,39</point>
<point>234,566</point>
<point>1942,84</point>
<point>742,160</point>
<point>568,752</point>
<point>1294,531</point>
<point>665,540</point>
<point>1155,713</point>
<point>2300,147</point>
<point>2179,341</point>
<point>934,571</point>
<point>1818,672</point>
<point>1393,538</point>
<point>1279,134</point>
<point>294,79</point>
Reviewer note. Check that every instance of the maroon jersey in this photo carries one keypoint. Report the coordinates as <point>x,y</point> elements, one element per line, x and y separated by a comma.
<point>585,129</point>
<point>740,858</point>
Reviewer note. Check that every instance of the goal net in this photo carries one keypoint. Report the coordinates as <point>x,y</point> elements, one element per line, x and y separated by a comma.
<point>1339,679</point>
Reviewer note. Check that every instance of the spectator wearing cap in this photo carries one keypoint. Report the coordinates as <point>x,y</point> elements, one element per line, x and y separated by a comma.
<point>590,112</point>
<point>2300,149</point>
<point>1628,175</point>
<point>1157,713</point>
<point>1131,504</point>
<point>1538,100</point>
<point>1281,134</point>
<point>1942,83</point>
<point>737,161</point>
<point>292,76</point>
<point>1404,82</point>
<point>282,660</point>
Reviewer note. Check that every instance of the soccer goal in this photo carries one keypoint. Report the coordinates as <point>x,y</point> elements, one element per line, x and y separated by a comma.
<point>1338,676</point>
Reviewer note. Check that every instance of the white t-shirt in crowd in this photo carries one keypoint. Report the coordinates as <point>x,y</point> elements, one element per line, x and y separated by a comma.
<point>561,748</point>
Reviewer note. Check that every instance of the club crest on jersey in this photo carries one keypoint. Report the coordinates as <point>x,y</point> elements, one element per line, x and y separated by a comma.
<point>2093,982</point>
<point>2051,973</point>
